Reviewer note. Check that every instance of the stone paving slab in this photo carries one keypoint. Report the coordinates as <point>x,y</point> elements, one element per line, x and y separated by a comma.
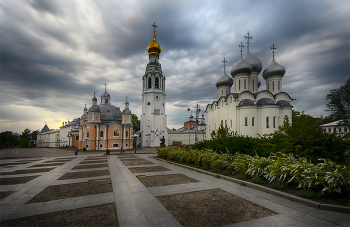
<point>137,205</point>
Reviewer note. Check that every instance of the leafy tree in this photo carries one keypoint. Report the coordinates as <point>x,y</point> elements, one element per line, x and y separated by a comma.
<point>24,143</point>
<point>26,134</point>
<point>135,123</point>
<point>34,135</point>
<point>8,139</point>
<point>339,102</point>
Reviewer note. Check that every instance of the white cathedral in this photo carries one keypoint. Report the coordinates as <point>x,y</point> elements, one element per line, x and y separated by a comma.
<point>247,111</point>
<point>153,118</point>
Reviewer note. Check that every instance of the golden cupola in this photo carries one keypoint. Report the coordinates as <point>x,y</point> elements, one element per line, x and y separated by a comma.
<point>154,47</point>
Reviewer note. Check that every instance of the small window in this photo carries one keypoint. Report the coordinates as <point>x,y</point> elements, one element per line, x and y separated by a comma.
<point>274,122</point>
<point>267,122</point>
<point>87,134</point>
<point>101,133</point>
<point>339,129</point>
<point>77,137</point>
<point>115,145</point>
<point>108,112</point>
<point>245,84</point>
<point>222,103</point>
<point>222,92</point>
<point>106,101</point>
<point>157,82</point>
<point>325,130</point>
<point>126,145</point>
<point>329,130</point>
<point>156,111</point>
<point>273,85</point>
<point>101,145</point>
<point>116,132</point>
<point>149,82</point>
<point>245,121</point>
<point>127,134</point>
<point>345,129</point>
<point>252,121</point>
<point>335,130</point>
<point>239,85</point>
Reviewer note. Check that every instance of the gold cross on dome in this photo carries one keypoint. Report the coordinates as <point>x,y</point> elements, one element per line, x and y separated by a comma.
<point>273,48</point>
<point>154,27</point>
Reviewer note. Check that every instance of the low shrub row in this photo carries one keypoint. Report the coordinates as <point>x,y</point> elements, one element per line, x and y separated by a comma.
<point>280,169</point>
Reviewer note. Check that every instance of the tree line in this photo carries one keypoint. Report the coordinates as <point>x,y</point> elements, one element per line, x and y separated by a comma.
<point>26,139</point>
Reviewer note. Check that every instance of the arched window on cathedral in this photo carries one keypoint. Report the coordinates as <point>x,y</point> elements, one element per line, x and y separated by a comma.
<point>267,122</point>
<point>149,82</point>
<point>222,92</point>
<point>273,85</point>
<point>274,122</point>
<point>245,84</point>
<point>157,82</point>
<point>239,84</point>
<point>245,121</point>
<point>252,121</point>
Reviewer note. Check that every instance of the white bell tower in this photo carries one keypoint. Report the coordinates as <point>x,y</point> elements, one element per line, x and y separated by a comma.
<point>153,118</point>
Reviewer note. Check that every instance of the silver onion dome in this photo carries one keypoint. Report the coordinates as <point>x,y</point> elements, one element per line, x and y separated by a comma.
<point>241,67</point>
<point>246,102</point>
<point>110,113</point>
<point>94,108</point>
<point>274,69</point>
<point>224,80</point>
<point>253,61</point>
<point>265,101</point>
<point>126,112</point>
<point>105,94</point>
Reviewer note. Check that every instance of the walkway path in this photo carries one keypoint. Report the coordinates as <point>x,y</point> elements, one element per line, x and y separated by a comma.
<point>136,204</point>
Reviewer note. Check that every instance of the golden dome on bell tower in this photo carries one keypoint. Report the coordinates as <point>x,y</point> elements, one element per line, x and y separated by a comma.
<point>153,47</point>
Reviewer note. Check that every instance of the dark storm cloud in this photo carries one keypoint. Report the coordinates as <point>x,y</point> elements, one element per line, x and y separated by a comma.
<point>46,6</point>
<point>68,49</point>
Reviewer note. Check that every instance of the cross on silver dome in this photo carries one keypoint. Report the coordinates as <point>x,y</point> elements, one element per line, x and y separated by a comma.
<point>241,46</point>
<point>224,63</point>
<point>273,48</point>
<point>248,38</point>
<point>105,84</point>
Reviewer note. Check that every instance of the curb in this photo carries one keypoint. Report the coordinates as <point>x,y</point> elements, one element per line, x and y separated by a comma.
<point>330,207</point>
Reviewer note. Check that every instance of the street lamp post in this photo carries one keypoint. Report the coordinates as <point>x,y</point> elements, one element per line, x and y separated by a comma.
<point>198,110</point>
<point>135,141</point>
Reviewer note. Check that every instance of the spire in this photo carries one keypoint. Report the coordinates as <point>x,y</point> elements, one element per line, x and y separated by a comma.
<point>224,63</point>
<point>153,47</point>
<point>241,46</point>
<point>105,84</point>
<point>273,48</point>
<point>248,38</point>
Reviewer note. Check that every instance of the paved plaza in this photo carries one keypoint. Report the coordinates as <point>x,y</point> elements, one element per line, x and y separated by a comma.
<point>136,185</point>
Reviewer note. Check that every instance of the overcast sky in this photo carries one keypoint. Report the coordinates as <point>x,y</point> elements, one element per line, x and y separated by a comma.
<point>55,54</point>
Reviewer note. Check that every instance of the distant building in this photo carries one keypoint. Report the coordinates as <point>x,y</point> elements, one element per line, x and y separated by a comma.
<point>187,134</point>
<point>48,138</point>
<point>105,127</point>
<point>69,133</point>
<point>247,111</point>
<point>335,127</point>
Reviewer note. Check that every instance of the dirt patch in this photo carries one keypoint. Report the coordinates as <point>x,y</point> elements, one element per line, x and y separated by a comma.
<point>148,169</point>
<point>164,180</point>
<point>211,208</point>
<point>84,174</point>
<point>25,171</point>
<point>90,166</point>
<point>101,215</point>
<point>135,162</point>
<point>73,190</point>
<point>94,162</point>
<point>43,165</point>
<point>57,161</point>
<point>16,180</point>
<point>4,194</point>
<point>14,163</point>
